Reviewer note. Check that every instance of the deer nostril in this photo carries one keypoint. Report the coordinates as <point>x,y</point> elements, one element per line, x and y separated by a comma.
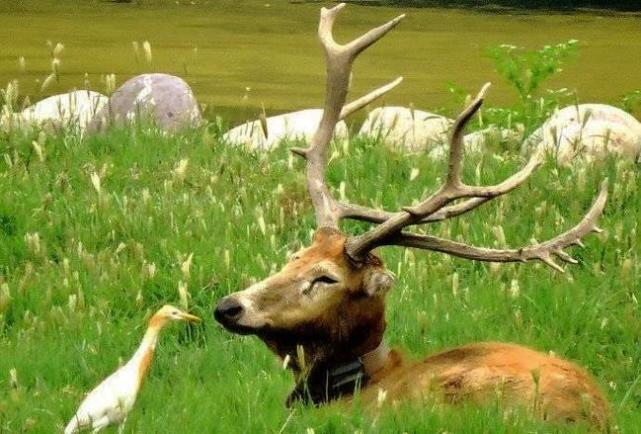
<point>228,310</point>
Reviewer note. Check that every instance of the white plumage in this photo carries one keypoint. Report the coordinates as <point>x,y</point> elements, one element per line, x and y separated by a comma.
<point>110,402</point>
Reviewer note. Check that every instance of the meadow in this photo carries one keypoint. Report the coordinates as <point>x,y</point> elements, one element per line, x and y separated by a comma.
<point>98,232</point>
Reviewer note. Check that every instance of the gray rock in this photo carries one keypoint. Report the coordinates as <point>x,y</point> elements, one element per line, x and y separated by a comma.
<point>300,125</point>
<point>588,131</point>
<point>68,111</point>
<point>406,128</point>
<point>164,99</point>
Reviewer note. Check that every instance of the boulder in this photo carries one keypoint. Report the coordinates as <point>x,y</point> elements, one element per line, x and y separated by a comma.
<point>591,131</point>
<point>406,128</point>
<point>166,100</point>
<point>299,125</point>
<point>73,110</point>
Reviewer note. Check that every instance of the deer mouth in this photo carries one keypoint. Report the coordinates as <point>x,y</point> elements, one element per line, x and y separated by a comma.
<point>232,315</point>
<point>236,327</point>
<point>239,329</point>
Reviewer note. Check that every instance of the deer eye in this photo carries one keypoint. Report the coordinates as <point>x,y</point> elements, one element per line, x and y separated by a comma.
<point>321,280</point>
<point>324,279</point>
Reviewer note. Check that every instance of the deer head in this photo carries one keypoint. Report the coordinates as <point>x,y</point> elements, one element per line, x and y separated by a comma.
<point>325,308</point>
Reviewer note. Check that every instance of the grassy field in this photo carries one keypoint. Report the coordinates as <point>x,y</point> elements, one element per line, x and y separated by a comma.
<point>94,233</point>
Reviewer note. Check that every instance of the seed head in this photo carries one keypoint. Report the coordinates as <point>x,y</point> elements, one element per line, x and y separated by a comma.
<point>146,47</point>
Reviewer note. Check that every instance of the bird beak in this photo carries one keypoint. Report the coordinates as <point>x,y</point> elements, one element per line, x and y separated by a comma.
<point>190,318</point>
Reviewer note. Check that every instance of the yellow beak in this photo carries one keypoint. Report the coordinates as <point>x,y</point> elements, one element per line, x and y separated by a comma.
<point>190,318</point>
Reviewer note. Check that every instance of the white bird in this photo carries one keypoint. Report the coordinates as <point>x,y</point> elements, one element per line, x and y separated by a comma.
<point>110,402</point>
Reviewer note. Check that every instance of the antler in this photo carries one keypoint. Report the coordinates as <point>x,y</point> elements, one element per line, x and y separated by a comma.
<point>544,251</point>
<point>339,59</point>
<point>437,207</point>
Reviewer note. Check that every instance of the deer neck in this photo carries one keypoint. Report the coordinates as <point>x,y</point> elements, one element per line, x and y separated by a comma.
<point>333,379</point>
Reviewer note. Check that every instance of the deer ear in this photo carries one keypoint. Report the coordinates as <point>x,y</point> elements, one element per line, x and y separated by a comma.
<point>377,281</point>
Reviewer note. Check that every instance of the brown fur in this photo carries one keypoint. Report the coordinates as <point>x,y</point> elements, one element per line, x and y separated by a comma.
<point>343,322</point>
<point>484,372</point>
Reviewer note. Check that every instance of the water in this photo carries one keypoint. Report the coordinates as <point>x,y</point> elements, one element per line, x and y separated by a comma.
<point>242,55</point>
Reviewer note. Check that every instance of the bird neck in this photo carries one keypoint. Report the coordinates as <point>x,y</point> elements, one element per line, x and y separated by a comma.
<point>143,356</point>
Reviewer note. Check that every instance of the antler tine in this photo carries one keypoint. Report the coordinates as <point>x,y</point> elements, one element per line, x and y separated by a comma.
<point>456,143</point>
<point>453,187</point>
<point>356,105</point>
<point>339,59</point>
<point>543,252</point>
<point>480,195</point>
<point>371,215</point>
<point>361,43</point>
<point>357,247</point>
<point>361,102</point>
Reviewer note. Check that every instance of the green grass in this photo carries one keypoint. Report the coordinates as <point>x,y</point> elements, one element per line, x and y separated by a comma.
<point>80,296</point>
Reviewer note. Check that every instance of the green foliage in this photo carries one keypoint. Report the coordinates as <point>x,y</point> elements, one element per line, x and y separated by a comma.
<point>528,69</point>
<point>93,237</point>
<point>631,102</point>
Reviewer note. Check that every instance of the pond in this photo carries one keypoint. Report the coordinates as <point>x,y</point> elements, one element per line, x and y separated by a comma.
<point>242,55</point>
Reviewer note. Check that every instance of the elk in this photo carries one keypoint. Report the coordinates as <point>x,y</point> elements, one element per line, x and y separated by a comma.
<point>324,312</point>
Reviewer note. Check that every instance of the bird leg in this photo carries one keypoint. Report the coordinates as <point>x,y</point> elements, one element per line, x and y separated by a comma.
<point>121,427</point>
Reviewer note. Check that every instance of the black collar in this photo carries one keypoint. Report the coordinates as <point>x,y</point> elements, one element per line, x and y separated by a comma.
<point>325,384</point>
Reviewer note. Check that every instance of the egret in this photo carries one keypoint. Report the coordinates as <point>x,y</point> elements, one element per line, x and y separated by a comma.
<point>110,402</point>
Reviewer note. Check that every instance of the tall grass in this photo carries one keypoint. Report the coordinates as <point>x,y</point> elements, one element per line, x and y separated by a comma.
<point>94,231</point>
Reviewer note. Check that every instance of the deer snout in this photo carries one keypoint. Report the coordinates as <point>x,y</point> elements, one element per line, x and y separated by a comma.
<point>228,311</point>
